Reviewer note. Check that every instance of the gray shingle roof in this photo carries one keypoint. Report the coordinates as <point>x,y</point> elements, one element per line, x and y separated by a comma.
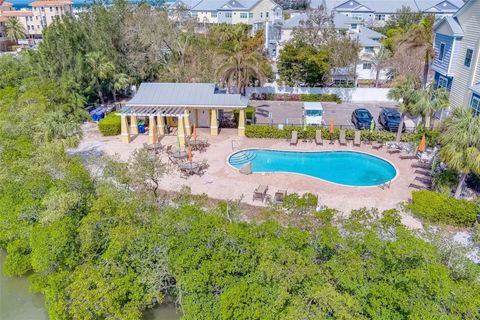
<point>389,6</point>
<point>452,23</point>
<point>213,5</point>
<point>209,5</point>
<point>184,95</point>
<point>476,88</point>
<point>187,3</point>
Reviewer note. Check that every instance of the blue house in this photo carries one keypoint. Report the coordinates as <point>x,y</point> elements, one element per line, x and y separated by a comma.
<point>456,63</point>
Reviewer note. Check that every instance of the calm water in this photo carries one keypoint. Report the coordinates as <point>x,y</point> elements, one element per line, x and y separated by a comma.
<point>342,167</point>
<point>76,3</point>
<point>17,303</point>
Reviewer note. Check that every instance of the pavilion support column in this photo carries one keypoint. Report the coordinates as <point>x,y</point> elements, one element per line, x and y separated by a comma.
<point>125,133</point>
<point>188,128</point>
<point>161,125</point>
<point>133,125</point>
<point>152,130</point>
<point>241,123</point>
<point>181,131</point>
<point>213,122</point>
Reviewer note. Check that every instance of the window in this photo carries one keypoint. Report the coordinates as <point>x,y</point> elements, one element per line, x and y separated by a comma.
<point>442,82</point>
<point>313,113</point>
<point>228,14</point>
<point>475,104</point>
<point>266,14</point>
<point>357,16</point>
<point>250,15</point>
<point>468,58</point>
<point>380,17</point>
<point>194,14</point>
<point>367,66</point>
<point>354,26</point>
<point>369,49</point>
<point>243,15</point>
<point>261,14</point>
<point>441,54</point>
<point>51,9</point>
<point>213,14</point>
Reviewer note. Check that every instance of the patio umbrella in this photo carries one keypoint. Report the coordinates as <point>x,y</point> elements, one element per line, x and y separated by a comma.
<point>178,144</point>
<point>194,132</point>
<point>332,130</point>
<point>423,144</point>
<point>190,156</point>
<point>372,125</point>
<point>304,124</point>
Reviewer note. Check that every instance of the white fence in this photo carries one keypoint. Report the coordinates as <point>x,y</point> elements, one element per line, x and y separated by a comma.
<point>346,94</point>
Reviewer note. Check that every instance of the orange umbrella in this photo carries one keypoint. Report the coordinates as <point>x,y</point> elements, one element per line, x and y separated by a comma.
<point>423,144</point>
<point>194,132</point>
<point>331,127</point>
<point>190,156</point>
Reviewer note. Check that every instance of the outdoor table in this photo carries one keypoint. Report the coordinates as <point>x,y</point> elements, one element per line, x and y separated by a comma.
<point>197,144</point>
<point>179,154</point>
<point>190,167</point>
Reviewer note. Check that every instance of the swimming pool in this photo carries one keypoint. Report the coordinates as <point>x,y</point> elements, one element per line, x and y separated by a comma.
<point>342,167</point>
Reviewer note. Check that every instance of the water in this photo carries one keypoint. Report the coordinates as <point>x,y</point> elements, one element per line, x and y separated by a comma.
<point>17,303</point>
<point>341,167</point>
<point>19,4</point>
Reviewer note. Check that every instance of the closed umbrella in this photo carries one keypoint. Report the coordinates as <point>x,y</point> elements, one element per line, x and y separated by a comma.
<point>423,144</point>
<point>332,130</point>
<point>372,125</point>
<point>305,124</point>
<point>194,132</point>
<point>190,155</point>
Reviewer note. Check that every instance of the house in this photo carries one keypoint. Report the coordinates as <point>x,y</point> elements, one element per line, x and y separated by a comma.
<point>457,55</point>
<point>34,19</point>
<point>378,11</point>
<point>367,39</point>
<point>251,12</point>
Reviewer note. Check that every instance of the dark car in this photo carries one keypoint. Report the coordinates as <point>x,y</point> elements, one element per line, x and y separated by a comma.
<point>362,118</point>
<point>389,119</point>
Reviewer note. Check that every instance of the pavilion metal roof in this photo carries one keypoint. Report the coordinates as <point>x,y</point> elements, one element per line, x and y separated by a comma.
<point>196,95</point>
<point>145,111</point>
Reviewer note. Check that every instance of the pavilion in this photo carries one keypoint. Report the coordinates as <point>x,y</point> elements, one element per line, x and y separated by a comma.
<point>179,105</point>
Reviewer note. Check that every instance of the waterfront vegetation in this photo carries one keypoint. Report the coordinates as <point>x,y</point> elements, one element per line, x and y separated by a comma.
<point>111,244</point>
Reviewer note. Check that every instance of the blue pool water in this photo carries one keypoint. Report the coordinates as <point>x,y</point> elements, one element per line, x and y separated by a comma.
<point>343,167</point>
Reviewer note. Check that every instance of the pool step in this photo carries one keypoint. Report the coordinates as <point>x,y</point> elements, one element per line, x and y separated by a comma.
<point>242,157</point>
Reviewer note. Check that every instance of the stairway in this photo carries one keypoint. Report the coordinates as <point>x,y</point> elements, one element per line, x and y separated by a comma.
<point>241,158</point>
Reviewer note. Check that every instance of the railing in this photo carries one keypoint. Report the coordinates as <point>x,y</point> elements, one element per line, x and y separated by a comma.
<point>235,145</point>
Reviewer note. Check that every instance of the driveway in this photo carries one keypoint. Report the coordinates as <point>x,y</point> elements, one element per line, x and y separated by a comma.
<point>291,112</point>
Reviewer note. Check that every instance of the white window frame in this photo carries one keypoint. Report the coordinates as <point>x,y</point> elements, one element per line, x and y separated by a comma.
<point>441,54</point>
<point>471,58</point>
<point>475,104</point>
<point>442,82</point>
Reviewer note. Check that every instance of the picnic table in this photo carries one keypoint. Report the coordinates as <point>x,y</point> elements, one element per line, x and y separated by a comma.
<point>190,167</point>
<point>179,154</point>
<point>198,144</point>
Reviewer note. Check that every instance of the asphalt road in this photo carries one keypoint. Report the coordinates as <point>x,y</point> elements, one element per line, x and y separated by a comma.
<point>291,112</point>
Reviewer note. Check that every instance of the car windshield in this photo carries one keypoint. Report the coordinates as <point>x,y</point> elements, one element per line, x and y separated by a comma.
<point>313,113</point>
<point>362,114</point>
<point>394,117</point>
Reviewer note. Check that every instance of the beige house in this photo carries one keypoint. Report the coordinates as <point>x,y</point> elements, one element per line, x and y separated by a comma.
<point>179,106</point>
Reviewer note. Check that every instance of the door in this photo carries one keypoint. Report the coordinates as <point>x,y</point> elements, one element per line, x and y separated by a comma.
<point>203,118</point>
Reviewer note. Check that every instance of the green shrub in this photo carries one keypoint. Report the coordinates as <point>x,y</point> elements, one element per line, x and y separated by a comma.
<point>308,97</point>
<point>445,181</point>
<point>312,97</point>
<point>438,207</point>
<point>476,233</point>
<point>249,114</point>
<point>294,203</point>
<point>110,125</point>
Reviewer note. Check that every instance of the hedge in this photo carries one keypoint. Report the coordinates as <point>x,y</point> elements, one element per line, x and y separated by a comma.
<point>271,132</point>
<point>439,207</point>
<point>308,97</point>
<point>110,125</point>
<point>249,114</point>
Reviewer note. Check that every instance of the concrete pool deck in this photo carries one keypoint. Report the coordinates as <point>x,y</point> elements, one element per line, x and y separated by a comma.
<point>221,181</point>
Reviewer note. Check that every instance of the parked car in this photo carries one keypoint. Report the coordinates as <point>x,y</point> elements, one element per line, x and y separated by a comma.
<point>362,119</point>
<point>389,119</point>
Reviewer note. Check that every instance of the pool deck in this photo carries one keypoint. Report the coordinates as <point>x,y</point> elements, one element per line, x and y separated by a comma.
<point>223,182</point>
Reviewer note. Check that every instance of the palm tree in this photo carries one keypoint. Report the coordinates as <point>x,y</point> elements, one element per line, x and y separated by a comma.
<point>15,30</point>
<point>406,92</point>
<point>241,68</point>
<point>432,100</point>
<point>101,69</point>
<point>120,82</point>
<point>421,36</point>
<point>378,59</point>
<point>461,144</point>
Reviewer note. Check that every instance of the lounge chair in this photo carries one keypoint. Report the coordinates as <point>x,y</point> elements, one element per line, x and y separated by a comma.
<point>279,196</point>
<point>260,192</point>
<point>408,157</point>
<point>357,139</point>
<point>421,165</point>
<point>416,186</point>
<point>379,145</point>
<point>318,137</point>
<point>423,173</point>
<point>393,151</point>
<point>294,139</point>
<point>427,181</point>
<point>343,140</point>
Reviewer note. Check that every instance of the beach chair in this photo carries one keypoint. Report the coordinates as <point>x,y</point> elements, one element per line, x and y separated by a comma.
<point>294,139</point>
<point>357,139</point>
<point>279,196</point>
<point>318,137</point>
<point>421,165</point>
<point>408,157</point>
<point>343,140</point>
<point>416,186</point>
<point>377,146</point>
<point>260,192</point>
<point>423,172</point>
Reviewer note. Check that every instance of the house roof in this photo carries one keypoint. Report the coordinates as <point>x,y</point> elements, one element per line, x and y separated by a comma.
<point>452,22</point>
<point>212,5</point>
<point>189,4</point>
<point>185,95</point>
<point>476,88</point>
<point>50,3</point>
<point>389,6</point>
<point>17,13</point>
<point>340,21</point>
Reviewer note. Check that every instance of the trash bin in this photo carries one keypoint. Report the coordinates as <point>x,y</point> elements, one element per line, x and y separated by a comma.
<point>141,127</point>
